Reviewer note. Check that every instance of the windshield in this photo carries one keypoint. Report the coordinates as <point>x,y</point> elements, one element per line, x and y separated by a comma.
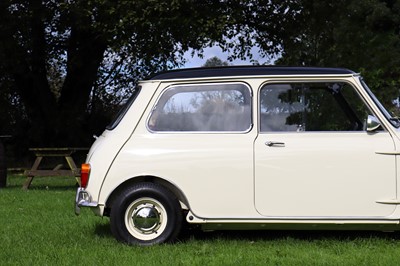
<point>121,113</point>
<point>393,120</point>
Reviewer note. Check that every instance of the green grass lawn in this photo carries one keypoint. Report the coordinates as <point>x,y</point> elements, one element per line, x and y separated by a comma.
<point>39,227</point>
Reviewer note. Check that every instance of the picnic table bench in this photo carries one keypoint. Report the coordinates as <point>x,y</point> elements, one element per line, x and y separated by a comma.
<point>41,153</point>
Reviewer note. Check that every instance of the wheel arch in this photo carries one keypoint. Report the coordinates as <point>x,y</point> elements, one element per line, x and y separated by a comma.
<point>151,179</point>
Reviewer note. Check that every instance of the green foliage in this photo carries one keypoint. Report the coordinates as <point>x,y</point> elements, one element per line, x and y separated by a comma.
<point>360,35</point>
<point>70,62</point>
<point>74,62</point>
<point>215,62</point>
<point>38,227</point>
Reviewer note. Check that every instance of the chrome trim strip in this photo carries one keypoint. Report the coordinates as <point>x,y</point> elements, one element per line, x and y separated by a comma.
<point>383,227</point>
<point>289,219</point>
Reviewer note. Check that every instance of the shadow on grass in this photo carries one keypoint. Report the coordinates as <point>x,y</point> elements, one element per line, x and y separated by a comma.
<point>54,187</point>
<point>42,183</point>
<point>103,230</point>
<point>273,235</point>
<point>189,234</point>
<point>44,187</point>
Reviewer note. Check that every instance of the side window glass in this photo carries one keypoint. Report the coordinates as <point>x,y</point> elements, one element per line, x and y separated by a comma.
<point>311,107</point>
<point>210,107</point>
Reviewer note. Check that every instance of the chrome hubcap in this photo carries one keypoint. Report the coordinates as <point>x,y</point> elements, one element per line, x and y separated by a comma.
<point>146,218</point>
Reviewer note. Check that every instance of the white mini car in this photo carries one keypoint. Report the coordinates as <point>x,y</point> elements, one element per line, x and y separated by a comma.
<point>245,148</point>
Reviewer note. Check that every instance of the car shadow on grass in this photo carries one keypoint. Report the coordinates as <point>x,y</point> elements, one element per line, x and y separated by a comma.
<point>189,234</point>
<point>273,235</point>
<point>103,230</point>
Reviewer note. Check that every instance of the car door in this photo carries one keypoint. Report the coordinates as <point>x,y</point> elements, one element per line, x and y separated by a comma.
<point>314,157</point>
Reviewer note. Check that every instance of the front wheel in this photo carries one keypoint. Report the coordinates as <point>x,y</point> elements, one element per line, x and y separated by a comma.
<point>146,214</point>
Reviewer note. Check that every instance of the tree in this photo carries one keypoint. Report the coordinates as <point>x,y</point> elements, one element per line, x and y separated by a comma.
<point>66,59</point>
<point>360,35</point>
<point>215,62</point>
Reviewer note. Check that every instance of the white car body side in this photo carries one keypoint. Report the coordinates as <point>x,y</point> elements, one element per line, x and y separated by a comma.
<point>254,177</point>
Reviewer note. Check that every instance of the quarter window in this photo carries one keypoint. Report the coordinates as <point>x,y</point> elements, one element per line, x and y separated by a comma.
<point>205,107</point>
<point>311,107</point>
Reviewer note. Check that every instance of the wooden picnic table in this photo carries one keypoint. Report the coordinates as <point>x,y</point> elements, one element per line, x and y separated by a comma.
<point>41,153</point>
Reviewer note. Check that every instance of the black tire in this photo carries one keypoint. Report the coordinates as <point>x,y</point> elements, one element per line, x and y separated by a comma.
<point>3,170</point>
<point>146,214</point>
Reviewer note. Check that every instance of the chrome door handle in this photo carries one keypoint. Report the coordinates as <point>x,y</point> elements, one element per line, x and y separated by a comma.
<point>274,143</point>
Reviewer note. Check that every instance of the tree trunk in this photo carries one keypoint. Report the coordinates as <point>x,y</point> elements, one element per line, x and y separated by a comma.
<point>85,55</point>
<point>27,66</point>
<point>52,122</point>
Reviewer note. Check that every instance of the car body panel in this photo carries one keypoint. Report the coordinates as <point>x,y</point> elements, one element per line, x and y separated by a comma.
<point>234,178</point>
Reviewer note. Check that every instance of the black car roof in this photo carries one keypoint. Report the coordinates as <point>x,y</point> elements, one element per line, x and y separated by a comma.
<point>247,71</point>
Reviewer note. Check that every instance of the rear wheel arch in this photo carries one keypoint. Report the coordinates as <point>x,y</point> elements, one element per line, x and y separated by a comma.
<point>149,179</point>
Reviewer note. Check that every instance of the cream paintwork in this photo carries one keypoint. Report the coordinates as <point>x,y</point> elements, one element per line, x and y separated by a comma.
<point>203,166</point>
<point>217,189</point>
<point>199,171</point>
<point>342,181</point>
<point>107,145</point>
